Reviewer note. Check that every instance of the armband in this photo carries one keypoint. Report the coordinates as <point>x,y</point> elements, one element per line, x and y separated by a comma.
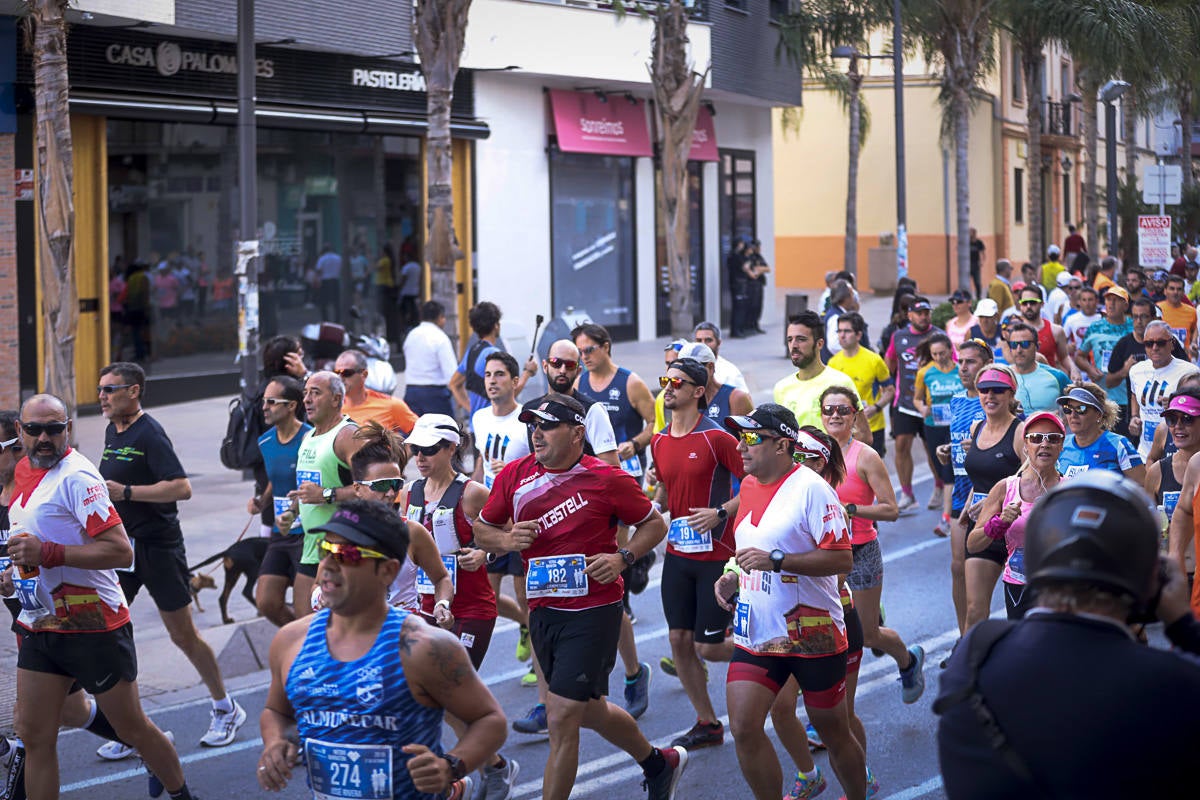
<point>732,566</point>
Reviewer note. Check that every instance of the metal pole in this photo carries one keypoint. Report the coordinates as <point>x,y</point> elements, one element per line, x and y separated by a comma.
<point>1162,189</point>
<point>1110,173</point>
<point>246,250</point>
<point>898,88</point>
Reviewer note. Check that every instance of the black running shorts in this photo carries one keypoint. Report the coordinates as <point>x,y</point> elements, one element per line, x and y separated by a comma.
<point>577,649</point>
<point>688,600</point>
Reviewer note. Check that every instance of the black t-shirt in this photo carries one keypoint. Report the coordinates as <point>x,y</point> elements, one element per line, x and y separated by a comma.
<point>141,456</point>
<point>977,248</point>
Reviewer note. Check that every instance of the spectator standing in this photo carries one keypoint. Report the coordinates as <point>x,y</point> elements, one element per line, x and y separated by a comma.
<point>756,269</point>
<point>429,363</point>
<point>977,250</point>
<point>958,327</point>
<point>1000,289</point>
<point>738,287</point>
<point>410,290</point>
<point>1073,245</point>
<point>329,272</point>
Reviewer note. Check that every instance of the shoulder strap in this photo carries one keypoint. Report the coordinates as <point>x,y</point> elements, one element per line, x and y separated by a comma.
<point>416,495</point>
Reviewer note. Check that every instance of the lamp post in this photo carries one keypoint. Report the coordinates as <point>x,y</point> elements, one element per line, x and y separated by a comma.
<point>246,249</point>
<point>1110,92</point>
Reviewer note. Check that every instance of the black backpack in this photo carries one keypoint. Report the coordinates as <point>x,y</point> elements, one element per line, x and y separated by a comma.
<point>239,448</point>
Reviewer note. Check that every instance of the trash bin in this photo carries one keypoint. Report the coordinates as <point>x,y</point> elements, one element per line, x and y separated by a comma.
<point>793,304</point>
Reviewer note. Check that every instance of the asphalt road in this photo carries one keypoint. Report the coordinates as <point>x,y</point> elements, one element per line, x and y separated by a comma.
<point>901,747</point>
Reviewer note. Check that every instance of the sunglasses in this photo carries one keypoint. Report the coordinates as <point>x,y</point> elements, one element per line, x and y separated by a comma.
<point>562,363</point>
<point>113,387</point>
<point>1173,418</point>
<point>587,351</point>
<point>1039,438</point>
<point>837,410</point>
<point>753,438</point>
<point>994,390</point>
<point>350,553</point>
<point>799,457</point>
<point>383,485</point>
<point>1031,302</point>
<point>1025,344</point>
<point>1156,342</point>
<point>348,373</point>
<point>431,450</point>
<point>276,401</point>
<point>1078,409</point>
<point>543,425</point>
<point>674,383</point>
<point>36,429</point>
<point>13,444</point>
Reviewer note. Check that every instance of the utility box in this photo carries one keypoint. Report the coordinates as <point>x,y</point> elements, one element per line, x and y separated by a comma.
<point>881,262</point>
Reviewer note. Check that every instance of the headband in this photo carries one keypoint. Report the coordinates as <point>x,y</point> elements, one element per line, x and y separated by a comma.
<point>811,445</point>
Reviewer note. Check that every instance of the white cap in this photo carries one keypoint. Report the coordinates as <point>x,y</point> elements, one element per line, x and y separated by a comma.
<point>1052,250</point>
<point>987,308</point>
<point>1064,278</point>
<point>432,429</point>
<point>701,352</point>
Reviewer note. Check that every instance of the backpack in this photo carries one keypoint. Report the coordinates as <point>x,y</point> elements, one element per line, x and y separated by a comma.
<point>239,448</point>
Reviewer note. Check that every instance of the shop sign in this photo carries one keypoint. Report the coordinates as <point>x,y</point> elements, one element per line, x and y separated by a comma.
<point>587,122</point>
<point>704,138</point>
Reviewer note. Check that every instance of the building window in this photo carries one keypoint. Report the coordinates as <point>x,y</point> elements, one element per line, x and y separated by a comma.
<point>593,244</point>
<point>740,5</point>
<point>738,200</point>
<point>1017,77</point>
<point>1065,78</point>
<point>1019,196</point>
<point>1066,200</point>
<point>777,9</point>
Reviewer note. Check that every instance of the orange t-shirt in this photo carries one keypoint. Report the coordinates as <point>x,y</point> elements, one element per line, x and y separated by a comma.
<point>1182,321</point>
<point>1102,282</point>
<point>390,412</point>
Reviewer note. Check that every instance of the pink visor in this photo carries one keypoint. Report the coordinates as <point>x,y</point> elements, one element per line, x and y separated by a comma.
<point>1185,404</point>
<point>1047,416</point>
<point>994,379</point>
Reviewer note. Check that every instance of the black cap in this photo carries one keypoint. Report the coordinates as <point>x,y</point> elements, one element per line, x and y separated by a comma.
<point>364,530</point>
<point>551,411</point>
<point>697,373</point>
<point>768,417</point>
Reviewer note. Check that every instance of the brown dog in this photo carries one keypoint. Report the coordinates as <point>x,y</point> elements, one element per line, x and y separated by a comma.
<point>198,582</point>
<point>243,557</point>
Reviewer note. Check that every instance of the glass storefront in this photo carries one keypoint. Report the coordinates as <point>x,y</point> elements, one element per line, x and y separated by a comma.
<point>592,236</point>
<point>173,210</point>
<point>738,196</point>
<point>695,249</point>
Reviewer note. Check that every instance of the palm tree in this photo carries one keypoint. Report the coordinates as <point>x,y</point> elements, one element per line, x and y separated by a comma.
<point>957,38</point>
<point>46,29</point>
<point>808,36</point>
<point>441,30</point>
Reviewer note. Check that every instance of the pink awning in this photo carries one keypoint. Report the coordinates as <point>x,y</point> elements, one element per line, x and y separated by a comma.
<point>614,126</point>
<point>704,138</point>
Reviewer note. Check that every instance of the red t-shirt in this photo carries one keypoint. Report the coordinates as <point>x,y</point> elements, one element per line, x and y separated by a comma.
<point>578,510</point>
<point>698,470</point>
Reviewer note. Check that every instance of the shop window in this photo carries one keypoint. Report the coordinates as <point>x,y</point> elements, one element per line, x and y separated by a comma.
<point>738,198</point>
<point>1019,196</point>
<point>1017,76</point>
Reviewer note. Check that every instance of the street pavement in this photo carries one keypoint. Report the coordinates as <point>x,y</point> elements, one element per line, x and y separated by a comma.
<point>901,749</point>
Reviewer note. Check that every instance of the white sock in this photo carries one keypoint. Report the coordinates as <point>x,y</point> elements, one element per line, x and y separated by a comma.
<point>224,704</point>
<point>92,707</point>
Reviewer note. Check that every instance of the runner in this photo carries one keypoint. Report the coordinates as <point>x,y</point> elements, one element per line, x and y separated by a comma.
<point>145,480</point>
<point>362,404</point>
<point>937,382</point>
<point>1050,338</point>
<point>800,392</point>
<point>564,507</point>
<point>725,371</point>
<point>500,438</point>
<point>907,422</point>
<point>364,685</point>
<point>696,462</point>
<point>1164,478</point>
<point>1094,355</point>
<point>1152,381</point>
<point>322,472</point>
<point>722,399</point>
<point>965,410</point>
<point>282,405</point>
<point>1038,385</point>
<point>867,496</point>
<point>872,379</point>
<point>793,542</point>
<point>67,538</point>
<point>1091,444</point>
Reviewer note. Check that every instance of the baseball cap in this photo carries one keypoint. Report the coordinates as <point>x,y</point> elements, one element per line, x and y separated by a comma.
<point>1160,275</point>
<point>1052,250</point>
<point>366,531</point>
<point>1081,395</point>
<point>552,411</point>
<point>920,305</point>
<point>995,379</point>
<point>767,417</point>
<point>1064,278</point>
<point>696,372</point>
<point>675,345</point>
<point>1046,415</point>
<point>987,308</point>
<point>959,294</point>
<point>433,429</point>
<point>1117,291</point>
<point>698,352</point>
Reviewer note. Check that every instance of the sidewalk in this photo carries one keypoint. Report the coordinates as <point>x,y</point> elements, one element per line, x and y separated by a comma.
<point>216,515</point>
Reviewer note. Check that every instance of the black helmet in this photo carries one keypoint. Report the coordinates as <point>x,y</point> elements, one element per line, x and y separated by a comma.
<point>1098,528</point>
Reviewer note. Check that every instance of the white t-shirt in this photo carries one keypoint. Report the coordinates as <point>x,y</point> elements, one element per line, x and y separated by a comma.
<point>597,426</point>
<point>1152,388</point>
<point>724,371</point>
<point>1076,327</point>
<point>504,438</point>
<point>1058,300</point>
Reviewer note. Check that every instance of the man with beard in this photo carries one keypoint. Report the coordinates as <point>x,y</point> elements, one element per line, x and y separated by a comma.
<point>907,422</point>
<point>800,392</point>
<point>1151,383</point>
<point>1038,386</point>
<point>1051,339</point>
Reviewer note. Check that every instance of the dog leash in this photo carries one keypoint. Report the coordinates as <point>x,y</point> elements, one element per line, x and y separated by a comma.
<point>241,536</point>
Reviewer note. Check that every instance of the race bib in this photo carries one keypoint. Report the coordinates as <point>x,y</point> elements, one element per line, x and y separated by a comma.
<point>557,576</point>
<point>978,497</point>
<point>308,476</point>
<point>1102,359</point>
<point>349,771</point>
<point>741,623</point>
<point>1016,564</point>
<point>488,480</point>
<point>425,586</point>
<point>941,414</point>
<point>415,514</point>
<point>1073,470</point>
<point>283,505</point>
<point>1170,500</point>
<point>632,465</point>
<point>681,536</point>
<point>443,530</point>
<point>1148,429</point>
<point>27,596</point>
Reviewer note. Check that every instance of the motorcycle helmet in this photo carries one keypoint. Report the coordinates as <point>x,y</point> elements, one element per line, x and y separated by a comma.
<point>1099,528</point>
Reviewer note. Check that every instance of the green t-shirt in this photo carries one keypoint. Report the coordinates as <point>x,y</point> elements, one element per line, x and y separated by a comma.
<point>803,398</point>
<point>317,462</point>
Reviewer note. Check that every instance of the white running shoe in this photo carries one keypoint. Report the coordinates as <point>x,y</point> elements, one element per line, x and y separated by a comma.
<point>224,726</point>
<point>114,751</point>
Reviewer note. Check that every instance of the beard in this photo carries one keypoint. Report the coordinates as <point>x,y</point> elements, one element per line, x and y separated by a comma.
<point>804,361</point>
<point>45,459</point>
<point>560,384</point>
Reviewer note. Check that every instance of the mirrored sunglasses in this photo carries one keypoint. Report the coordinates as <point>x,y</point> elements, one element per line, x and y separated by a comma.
<point>346,553</point>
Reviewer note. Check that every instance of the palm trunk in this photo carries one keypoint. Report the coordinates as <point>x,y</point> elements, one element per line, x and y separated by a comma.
<point>1185,150</point>
<point>962,186</point>
<point>1031,54</point>
<point>1091,143</point>
<point>1129,135</point>
<point>677,90</point>
<point>55,207</point>
<point>850,257</point>
<point>440,33</point>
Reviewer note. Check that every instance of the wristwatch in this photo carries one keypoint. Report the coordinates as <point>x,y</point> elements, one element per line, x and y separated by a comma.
<point>458,770</point>
<point>722,514</point>
<point>851,509</point>
<point>127,495</point>
<point>628,556</point>
<point>328,494</point>
<point>777,560</point>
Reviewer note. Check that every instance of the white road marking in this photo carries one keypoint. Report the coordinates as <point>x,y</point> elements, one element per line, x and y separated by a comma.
<point>202,755</point>
<point>931,785</point>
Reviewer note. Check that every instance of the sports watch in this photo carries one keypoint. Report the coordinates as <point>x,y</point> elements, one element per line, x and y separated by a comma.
<point>777,560</point>
<point>328,494</point>
<point>722,514</point>
<point>851,509</point>
<point>458,770</point>
<point>628,556</point>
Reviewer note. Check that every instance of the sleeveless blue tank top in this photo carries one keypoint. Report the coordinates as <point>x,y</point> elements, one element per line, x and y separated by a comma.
<point>718,407</point>
<point>366,701</point>
<point>626,420</point>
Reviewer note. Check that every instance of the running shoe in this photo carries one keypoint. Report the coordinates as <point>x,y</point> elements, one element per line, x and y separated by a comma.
<point>935,500</point>
<point>942,529</point>
<point>460,789</point>
<point>945,662</point>
<point>667,665</point>
<point>702,734</point>
<point>224,726</point>
<point>662,786</point>
<point>907,503</point>
<point>637,691</point>
<point>154,785</point>
<point>529,679</point>
<point>814,738</point>
<point>534,722</point>
<point>524,651</point>
<point>114,751</point>
<point>498,783</point>
<point>6,760</point>
<point>912,680</point>
<point>872,785</point>
<point>807,786</point>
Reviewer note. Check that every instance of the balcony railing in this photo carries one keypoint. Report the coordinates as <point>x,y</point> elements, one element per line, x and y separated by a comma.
<point>1059,119</point>
<point>697,9</point>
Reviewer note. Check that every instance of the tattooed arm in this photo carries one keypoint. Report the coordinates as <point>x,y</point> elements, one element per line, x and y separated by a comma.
<point>441,676</point>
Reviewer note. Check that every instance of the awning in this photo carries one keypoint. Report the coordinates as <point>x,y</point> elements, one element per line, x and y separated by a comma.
<point>612,125</point>
<point>704,138</point>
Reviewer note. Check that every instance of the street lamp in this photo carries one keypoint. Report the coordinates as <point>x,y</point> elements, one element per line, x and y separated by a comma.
<point>1110,92</point>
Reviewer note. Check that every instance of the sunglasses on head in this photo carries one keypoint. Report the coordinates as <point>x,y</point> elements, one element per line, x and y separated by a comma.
<point>13,444</point>
<point>674,383</point>
<point>430,450</point>
<point>347,373</point>
<point>1156,342</point>
<point>1039,438</point>
<point>1023,345</point>
<point>837,410</point>
<point>1178,418</point>
<point>544,425</point>
<point>1074,408</point>
<point>36,429</point>
<point>113,387</point>
<point>350,553</point>
<point>753,438</point>
<point>562,363</point>
<point>276,401</point>
<point>383,485</point>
